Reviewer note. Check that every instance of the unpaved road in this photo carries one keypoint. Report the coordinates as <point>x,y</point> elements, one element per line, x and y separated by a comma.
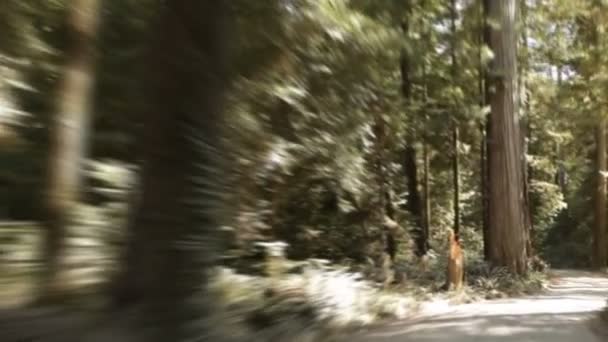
<point>562,314</point>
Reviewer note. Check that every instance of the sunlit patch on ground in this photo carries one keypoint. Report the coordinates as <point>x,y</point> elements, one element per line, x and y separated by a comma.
<point>561,314</point>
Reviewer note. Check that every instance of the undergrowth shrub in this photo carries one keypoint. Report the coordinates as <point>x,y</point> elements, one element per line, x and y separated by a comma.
<point>498,282</point>
<point>313,298</point>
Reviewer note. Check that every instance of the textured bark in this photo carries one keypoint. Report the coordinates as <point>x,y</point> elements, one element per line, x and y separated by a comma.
<point>507,198</point>
<point>170,234</point>
<point>69,134</point>
<point>599,227</point>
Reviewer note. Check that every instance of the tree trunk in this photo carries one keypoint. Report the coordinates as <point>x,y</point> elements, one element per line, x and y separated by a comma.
<point>485,130</point>
<point>414,204</point>
<point>455,175</point>
<point>526,126</point>
<point>507,198</point>
<point>599,227</point>
<point>69,134</point>
<point>390,226</point>
<point>426,225</point>
<point>404,61</point>
<point>561,175</point>
<point>427,192</point>
<point>485,194</point>
<point>526,178</point>
<point>385,208</point>
<point>170,242</point>
<point>455,133</point>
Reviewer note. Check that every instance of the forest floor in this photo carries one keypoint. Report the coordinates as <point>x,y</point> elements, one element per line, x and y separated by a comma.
<point>567,311</point>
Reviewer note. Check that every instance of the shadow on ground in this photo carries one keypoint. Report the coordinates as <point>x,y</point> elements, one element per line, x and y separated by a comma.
<point>497,328</point>
<point>563,313</point>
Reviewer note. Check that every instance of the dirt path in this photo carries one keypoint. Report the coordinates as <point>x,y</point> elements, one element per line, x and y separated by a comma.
<point>563,314</point>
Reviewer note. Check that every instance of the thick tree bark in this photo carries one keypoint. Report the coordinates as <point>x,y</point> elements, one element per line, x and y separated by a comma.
<point>599,227</point>
<point>507,198</point>
<point>170,241</point>
<point>69,133</point>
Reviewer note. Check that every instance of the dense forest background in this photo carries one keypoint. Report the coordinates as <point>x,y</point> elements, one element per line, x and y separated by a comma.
<point>144,143</point>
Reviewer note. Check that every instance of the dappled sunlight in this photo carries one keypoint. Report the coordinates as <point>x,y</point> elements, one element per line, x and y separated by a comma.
<point>303,170</point>
<point>552,316</point>
<point>559,327</point>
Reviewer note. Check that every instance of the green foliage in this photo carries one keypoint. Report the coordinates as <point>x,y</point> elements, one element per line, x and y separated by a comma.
<point>312,81</point>
<point>309,299</point>
<point>499,282</point>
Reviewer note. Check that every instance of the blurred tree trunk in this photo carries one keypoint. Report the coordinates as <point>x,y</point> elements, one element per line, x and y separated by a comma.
<point>599,228</point>
<point>456,180</point>
<point>68,137</point>
<point>594,36</point>
<point>527,126</point>
<point>427,192</point>
<point>560,173</point>
<point>426,186</point>
<point>484,91</point>
<point>485,221</point>
<point>385,207</point>
<point>414,202</point>
<point>455,130</point>
<point>169,247</point>
<point>507,198</point>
